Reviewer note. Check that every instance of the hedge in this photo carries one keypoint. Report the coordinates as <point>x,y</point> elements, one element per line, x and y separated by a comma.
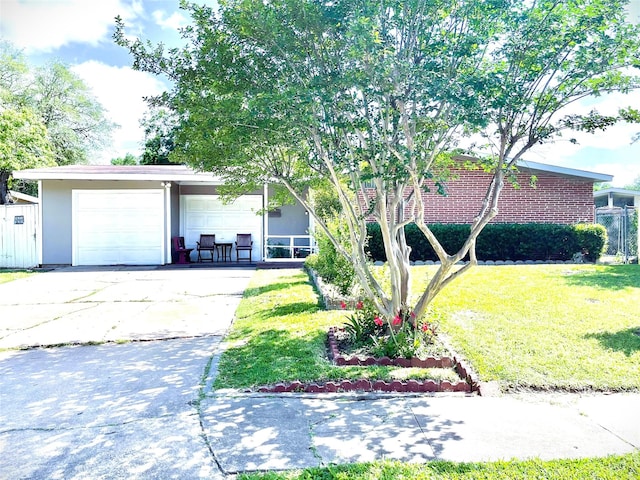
<point>502,241</point>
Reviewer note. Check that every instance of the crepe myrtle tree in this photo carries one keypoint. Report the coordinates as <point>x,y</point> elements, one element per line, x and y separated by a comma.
<point>373,99</point>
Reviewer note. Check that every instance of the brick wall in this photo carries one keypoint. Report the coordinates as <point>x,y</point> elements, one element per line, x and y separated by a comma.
<point>553,199</point>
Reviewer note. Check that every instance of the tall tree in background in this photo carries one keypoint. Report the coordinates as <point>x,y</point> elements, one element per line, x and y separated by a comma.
<point>374,97</point>
<point>75,120</point>
<point>23,144</point>
<point>75,123</point>
<point>159,136</point>
<point>128,159</point>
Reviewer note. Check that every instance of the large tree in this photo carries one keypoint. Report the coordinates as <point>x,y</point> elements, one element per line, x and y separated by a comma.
<point>23,144</point>
<point>75,123</point>
<point>374,97</point>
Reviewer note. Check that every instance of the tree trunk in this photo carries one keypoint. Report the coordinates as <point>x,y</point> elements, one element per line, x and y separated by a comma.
<point>4,188</point>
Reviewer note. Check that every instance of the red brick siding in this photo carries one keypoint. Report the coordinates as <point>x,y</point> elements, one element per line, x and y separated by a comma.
<point>553,199</point>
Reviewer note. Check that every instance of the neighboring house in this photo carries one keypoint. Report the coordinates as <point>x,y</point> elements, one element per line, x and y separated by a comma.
<point>558,195</point>
<point>108,215</point>
<point>127,215</point>
<point>617,209</point>
<point>616,197</point>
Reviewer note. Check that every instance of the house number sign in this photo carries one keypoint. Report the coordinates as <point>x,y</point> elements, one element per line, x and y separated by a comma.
<point>18,220</point>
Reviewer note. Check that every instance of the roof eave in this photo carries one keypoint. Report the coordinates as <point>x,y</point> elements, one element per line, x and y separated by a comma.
<point>168,177</point>
<point>571,172</point>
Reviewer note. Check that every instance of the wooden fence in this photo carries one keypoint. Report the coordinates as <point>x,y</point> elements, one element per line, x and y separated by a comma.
<point>19,236</point>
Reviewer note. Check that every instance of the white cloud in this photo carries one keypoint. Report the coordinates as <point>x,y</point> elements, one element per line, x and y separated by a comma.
<point>120,91</point>
<point>44,26</point>
<point>173,22</point>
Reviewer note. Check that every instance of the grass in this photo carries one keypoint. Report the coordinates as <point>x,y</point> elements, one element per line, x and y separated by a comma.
<point>608,468</point>
<point>280,334</point>
<point>9,275</point>
<point>569,327</point>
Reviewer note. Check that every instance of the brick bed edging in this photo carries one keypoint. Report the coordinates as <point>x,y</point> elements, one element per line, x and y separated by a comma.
<point>468,381</point>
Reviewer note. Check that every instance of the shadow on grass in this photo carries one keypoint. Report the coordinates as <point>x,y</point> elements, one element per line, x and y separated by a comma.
<point>610,277</point>
<point>270,357</point>
<point>625,341</point>
<point>254,292</point>
<point>308,308</point>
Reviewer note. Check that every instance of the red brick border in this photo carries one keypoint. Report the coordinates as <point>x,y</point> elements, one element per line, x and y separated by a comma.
<point>468,380</point>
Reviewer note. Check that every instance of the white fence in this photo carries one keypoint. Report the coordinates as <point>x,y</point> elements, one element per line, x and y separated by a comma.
<point>18,236</point>
<point>288,247</point>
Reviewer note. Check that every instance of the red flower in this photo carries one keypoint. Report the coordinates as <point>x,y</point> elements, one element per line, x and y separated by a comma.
<point>378,321</point>
<point>425,327</point>
<point>359,305</point>
<point>343,305</point>
<point>397,320</point>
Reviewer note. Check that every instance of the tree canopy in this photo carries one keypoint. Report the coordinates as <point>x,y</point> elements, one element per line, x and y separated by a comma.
<point>73,121</point>
<point>377,99</point>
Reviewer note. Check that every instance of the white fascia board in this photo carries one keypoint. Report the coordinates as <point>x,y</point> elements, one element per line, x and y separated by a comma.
<point>572,172</point>
<point>168,177</point>
<point>619,191</point>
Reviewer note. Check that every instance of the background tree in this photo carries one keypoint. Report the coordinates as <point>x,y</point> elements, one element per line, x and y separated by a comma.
<point>374,97</point>
<point>128,159</point>
<point>75,123</point>
<point>159,136</point>
<point>635,185</point>
<point>23,144</point>
<point>75,120</point>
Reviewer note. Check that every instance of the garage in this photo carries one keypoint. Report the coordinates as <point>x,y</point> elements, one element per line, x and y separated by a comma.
<point>118,227</point>
<point>208,214</point>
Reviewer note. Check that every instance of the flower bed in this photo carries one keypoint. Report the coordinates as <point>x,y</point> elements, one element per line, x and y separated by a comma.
<point>468,382</point>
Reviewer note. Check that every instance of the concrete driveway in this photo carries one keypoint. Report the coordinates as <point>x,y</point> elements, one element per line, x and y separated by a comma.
<point>85,305</point>
<point>116,410</point>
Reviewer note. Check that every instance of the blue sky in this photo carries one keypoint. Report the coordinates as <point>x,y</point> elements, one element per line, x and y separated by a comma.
<point>79,33</point>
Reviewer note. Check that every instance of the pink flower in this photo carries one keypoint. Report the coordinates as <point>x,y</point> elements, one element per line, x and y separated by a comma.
<point>413,314</point>
<point>343,305</point>
<point>359,305</point>
<point>425,327</point>
<point>397,320</point>
<point>378,321</point>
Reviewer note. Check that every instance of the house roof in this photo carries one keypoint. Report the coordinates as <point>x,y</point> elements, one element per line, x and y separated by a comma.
<point>23,197</point>
<point>182,173</point>
<point>161,173</point>
<point>570,172</point>
<point>616,191</point>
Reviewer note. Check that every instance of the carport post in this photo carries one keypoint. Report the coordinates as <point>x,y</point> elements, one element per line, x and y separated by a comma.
<point>167,221</point>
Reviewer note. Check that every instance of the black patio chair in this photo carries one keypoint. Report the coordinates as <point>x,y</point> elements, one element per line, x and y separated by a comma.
<point>207,243</point>
<point>243,244</point>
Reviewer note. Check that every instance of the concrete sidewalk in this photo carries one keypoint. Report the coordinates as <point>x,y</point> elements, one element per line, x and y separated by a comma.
<point>146,410</point>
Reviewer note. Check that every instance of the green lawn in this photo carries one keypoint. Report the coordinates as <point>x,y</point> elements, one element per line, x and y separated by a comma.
<point>624,467</point>
<point>9,275</point>
<point>538,326</point>
<point>546,326</point>
<point>280,334</point>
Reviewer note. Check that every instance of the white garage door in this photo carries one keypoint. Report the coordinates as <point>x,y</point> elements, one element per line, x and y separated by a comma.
<point>118,227</point>
<point>207,214</point>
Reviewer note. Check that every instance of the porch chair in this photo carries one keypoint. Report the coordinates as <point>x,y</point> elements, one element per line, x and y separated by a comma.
<point>243,244</point>
<point>182,253</point>
<point>207,243</point>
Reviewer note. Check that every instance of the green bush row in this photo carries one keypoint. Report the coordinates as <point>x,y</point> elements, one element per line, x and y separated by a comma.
<point>503,241</point>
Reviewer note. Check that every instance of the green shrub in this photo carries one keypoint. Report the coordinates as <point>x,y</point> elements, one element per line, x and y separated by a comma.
<point>592,239</point>
<point>502,241</point>
<point>332,267</point>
